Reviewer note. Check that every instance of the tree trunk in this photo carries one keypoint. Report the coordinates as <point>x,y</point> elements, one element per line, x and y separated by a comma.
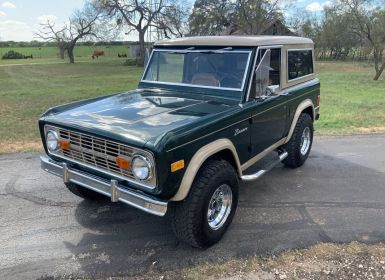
<point>142,48</point>
<point>379,72</point>
<point>378,64</point>
<point>61,52</point>
<point>70,52</point>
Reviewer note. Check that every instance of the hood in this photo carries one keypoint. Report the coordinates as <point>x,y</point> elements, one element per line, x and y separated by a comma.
<point>139,116</point>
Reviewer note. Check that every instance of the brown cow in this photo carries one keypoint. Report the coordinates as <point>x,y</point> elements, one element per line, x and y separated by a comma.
<point>97,54</point>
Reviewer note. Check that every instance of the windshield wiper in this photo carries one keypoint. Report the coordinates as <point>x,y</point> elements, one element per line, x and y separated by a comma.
<point>220,51</point>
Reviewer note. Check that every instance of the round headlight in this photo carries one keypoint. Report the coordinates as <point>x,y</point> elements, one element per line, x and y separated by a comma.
<point>52,140</point>
<point>141,167</point>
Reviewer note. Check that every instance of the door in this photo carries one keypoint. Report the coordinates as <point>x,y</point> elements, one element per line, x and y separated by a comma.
<point>269,111</point>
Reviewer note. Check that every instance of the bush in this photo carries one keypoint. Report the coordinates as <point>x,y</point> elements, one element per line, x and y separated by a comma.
<point>131,62</point>
<point>13,55</point>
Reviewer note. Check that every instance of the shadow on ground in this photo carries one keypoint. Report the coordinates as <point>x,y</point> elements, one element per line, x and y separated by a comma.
<point>327,200</point>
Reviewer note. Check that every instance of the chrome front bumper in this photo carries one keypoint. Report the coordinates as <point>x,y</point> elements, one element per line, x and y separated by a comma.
<point>108,188</point>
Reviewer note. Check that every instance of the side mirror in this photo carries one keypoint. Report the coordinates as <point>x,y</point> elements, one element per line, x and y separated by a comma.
<point>272,90</point>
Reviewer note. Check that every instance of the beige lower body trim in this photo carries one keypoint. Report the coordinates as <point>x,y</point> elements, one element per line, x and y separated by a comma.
<point>262,154</point>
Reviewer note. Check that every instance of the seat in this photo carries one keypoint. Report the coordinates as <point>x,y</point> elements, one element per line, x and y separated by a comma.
<point>205,79</point>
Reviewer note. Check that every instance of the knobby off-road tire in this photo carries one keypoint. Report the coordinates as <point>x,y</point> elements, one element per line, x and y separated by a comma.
<point>299,146</point>
<point>191,220</point>
<point>85,193</point>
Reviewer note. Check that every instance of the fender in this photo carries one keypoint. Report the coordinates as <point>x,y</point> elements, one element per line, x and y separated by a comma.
<point>198,159</point>
<point>301,107</point>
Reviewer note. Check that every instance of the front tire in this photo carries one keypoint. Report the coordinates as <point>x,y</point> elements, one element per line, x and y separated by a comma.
<point>204,216</point>
<point>299,146</point>
<point>84,192</point>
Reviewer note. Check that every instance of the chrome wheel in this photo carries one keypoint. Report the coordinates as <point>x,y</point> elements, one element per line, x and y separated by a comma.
<point>219,207</point>
<point>305,141</point>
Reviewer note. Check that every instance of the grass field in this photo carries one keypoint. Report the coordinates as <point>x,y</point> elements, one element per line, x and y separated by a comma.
<point>351,101</point>
<point>52,52</point>
<point>27,91</point>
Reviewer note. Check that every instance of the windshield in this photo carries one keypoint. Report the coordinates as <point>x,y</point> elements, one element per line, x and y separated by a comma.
<point>206,68</point>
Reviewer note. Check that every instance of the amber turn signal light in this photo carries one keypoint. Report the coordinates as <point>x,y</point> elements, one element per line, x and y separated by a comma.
<point>64,144</point>
<point>122,162</point>
<point>177,165</point>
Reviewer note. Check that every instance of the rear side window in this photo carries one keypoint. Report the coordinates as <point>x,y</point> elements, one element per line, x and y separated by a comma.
<point>300,63</point>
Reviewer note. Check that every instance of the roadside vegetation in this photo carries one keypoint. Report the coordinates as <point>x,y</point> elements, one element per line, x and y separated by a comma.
<point>321,261</point>
<point>351,102</point>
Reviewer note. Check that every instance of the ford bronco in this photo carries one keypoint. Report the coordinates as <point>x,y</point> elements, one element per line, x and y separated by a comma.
<point>205,111</point>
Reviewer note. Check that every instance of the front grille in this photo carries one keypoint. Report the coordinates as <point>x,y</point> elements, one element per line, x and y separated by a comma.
<point>96,152</point>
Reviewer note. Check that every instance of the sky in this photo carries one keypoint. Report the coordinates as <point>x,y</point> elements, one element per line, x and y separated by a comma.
<point>19,19</point>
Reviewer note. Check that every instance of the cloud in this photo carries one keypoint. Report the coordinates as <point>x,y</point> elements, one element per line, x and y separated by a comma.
<point>327,4</point>
<point>314,7</point>
<point>2,14</point>
<point>45,18</point>
<point>8,5</point>
<point>12,30</point>
<point>317,7</point>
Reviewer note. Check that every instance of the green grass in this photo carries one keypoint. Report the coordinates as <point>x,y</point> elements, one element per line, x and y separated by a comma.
<point>351,102</point>
<point>27,91</point>
<point>80,51</point>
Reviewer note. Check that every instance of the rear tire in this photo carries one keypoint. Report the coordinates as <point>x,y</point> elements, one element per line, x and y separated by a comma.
<point>204,216</point>
<point>84,192</point>
<point>299,146</point>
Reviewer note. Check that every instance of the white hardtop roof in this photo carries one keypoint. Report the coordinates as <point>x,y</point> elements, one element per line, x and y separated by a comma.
<point>235,41</point>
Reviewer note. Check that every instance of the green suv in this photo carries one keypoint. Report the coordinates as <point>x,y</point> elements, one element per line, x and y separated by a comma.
<point>205,111</point>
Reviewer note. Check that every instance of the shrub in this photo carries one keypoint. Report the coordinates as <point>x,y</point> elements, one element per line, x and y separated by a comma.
<point>13,55</point>
<point>131,62</point>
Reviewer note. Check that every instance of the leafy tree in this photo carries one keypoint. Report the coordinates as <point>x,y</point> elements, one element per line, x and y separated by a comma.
<point>368,21</point>
<point>337,36</point>
<point>253,16</point>
<point>212,17</point>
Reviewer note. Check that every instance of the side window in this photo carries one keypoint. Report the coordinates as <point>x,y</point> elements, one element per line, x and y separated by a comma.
<point>300,63</point>
<point>275,64</point>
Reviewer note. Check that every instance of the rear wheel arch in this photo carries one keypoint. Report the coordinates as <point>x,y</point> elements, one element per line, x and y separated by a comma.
<point>306,106</point>
<point>309,110</point>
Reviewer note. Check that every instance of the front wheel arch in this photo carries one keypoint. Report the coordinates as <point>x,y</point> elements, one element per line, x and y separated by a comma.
<point>215,150</point>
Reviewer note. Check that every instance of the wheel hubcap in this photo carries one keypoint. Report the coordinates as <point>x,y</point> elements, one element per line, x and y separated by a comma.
<point>219,206</point>
<point>305,141</point>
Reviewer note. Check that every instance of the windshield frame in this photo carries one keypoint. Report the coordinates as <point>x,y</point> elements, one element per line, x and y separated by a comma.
<point>248,51</point>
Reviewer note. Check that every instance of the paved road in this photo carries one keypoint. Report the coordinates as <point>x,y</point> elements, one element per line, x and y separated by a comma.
<point>338,196</point>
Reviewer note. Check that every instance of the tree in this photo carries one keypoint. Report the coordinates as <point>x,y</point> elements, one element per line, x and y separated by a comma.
<point>81,25</point>
<point>139,16</point>
<point>48,32</point>
<point>174,21</point>
<point>369,22</point>
<point>336,37</point>
<point>212,17</point>
<point>253,16</point>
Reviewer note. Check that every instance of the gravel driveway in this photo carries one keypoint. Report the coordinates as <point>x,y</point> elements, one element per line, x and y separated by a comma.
<point>337,196</point>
